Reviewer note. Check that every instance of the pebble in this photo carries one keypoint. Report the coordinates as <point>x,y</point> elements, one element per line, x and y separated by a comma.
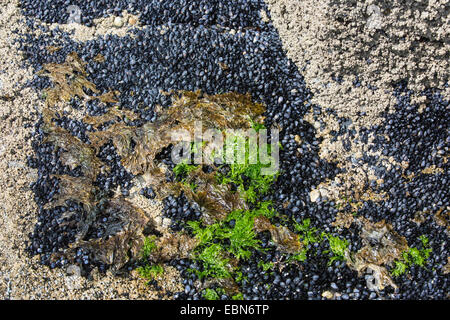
<point>314,195</point>
<point>118,22</point>
<point>73,270</point>
<point>132,21</point>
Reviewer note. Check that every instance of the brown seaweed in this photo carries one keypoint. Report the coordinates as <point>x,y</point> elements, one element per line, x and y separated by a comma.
<point>221,111</point>
<point>78,189</point>
<point>446,268</point>
<point>69,80</point>
<point>381,246</point>
<point>214,199</point>
<point>229,285</point>
<point>99,58</point>
<point>53,49</point>
<point>171,246</point>
<point>442,218</point>
<point>123,232</point>
<point>138,147</point>
<point>108,97</point>
<point>123,239</point>
<point>75,153</point>
<point>284,238</point>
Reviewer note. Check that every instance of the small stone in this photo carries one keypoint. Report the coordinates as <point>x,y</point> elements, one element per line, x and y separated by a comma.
<point>375,18</point>
<point>16,164</point>
<point>118,22</point>
<point>73,270</point>
<point>166,222</point>
<point>132,21</point>
<point>327,295</point>
<point>158,221</point>
<point>323,193</point>
<point>74,14</point>
<point>264,16</point>
<point>314,195</point>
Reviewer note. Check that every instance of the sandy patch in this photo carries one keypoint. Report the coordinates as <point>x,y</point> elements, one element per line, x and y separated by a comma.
<point>22,277</point>
<point>382,42</point>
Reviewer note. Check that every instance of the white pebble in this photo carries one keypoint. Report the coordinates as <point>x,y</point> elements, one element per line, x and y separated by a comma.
<point>118,22</point>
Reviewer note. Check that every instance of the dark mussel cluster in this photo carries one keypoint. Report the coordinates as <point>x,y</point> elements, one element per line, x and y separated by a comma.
<point>242,14</point>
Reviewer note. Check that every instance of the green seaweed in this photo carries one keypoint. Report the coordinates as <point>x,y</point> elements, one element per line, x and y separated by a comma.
<point>412,256</point>
<point>238,296</point>
<point>149,272</point>
<point>265,266</point>
<point>308,234</point>
<point>182,170</point>
<point>233,238</point>
<point>252,184</point>
<point>214,262</point>
<point>242,237</point>
<point>210,294</point>
<point>338,247</point>
<point>148,247</point>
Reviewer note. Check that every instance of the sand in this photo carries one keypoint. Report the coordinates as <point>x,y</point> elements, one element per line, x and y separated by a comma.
<point>22,277</point>
<point>381,43</point>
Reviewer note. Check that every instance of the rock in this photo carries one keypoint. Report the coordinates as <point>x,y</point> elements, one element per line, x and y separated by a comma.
<point>314,195</point>
<point>74,14</point>
<point>375,19</point>
<point>132,21</point>
<point>73,270</point>
<point>16,164</point>
<point>328,295</point>
<point>166,222</point>
<point>118,22</point>
<point>158,221</point>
